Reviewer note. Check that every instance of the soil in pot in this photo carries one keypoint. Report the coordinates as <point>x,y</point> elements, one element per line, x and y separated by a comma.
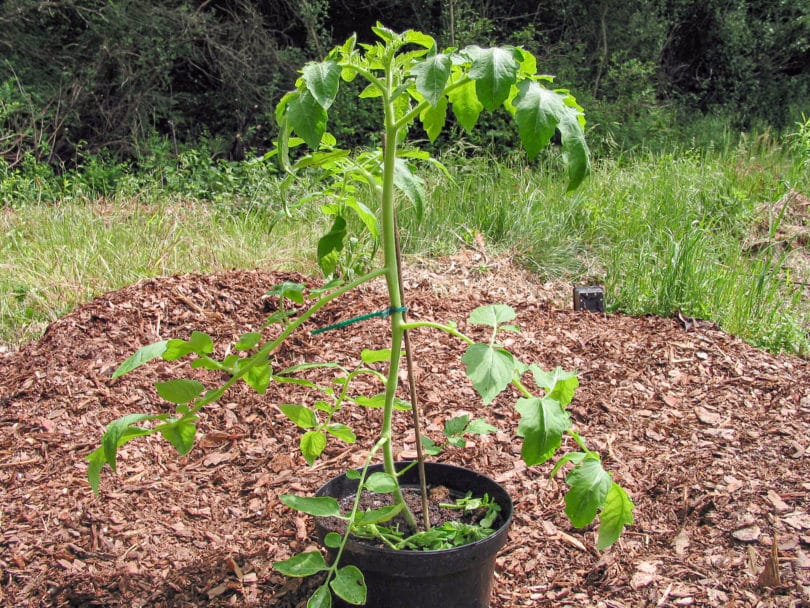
<point>459,577</point>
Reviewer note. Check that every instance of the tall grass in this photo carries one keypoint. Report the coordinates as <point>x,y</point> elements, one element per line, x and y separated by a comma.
<point>664,232</point>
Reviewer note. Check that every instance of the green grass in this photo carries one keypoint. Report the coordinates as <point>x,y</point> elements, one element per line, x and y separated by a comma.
<point>664,233</point>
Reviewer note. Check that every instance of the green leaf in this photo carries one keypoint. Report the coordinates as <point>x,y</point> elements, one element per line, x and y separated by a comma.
<point>456,426</point>
<point>489,369</point>
<point>322,598</point>
<point>431,77</point>
<point>365,214</point>
<point>434,118</point>
<point>430,447</point>
<point>377,516</point>
<point>95,462</point>
<point>349,585</point>
<point>180,433</point>
<point>494,71</point>
<point>330,245</point>
<point>300,415</point>
<point>589,485</point>
<point>322,80</point>
<point>479,426</point>
<point>258,377</point>
<point>381,483</point>
<point>491,315</point>
<point>465,105</point>
<point>542,424</point>
<point>141,356</point>
<point>120,432</point>
<point>558,383</point>
<point>179,390</point>
<point>410,185</point>
<point>248,341</point>
<point>575,150</point>
<point>332,540</point>
<point>313,443</point>
<point>375,356</point>
<point>307,118</point>
<point>291,291</point>
<point>617,513</point>
<point>318,506</point>
<point>342,432</point>
<point>416,37</point>
<point>199,343</point>
<point>302,564</point>
<point>537,111</point>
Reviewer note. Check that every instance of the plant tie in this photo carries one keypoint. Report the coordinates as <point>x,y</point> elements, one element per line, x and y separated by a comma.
<point>386,312</point>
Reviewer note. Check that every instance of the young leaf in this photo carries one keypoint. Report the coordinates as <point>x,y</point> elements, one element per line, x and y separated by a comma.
<point>479,426</point>
<point>312,445</point>
<point>430,447</point>
<point>291,291</point>
<point>375,356</point>
<point>180,433</point>
<point>349,585</point>
<point>330,245</point>
<point>494,71</point>
<point>258,377</point>
<point>318,506</point>
<point>141,356</point>
<point>465,105</point>
<point>342,432</point>
<point>558,384</point>
<point>536,116</point>
<point>456,426</point>
<point>179,390</point>
<point>381,483</point>
<point>542,424</point>
<point>332,540</point>
<point>491,315</point>
<point>95,462</point>
<point>248,341</point>
<point>489,369</point>
<point>302,564</point>
<point>199,343</point>
<point>589,485</point>
<point>431,77</point>
<point>434,118</point>
<point>617,513</point>
<point>323,80</point>
<point>300,415</point>
<point>307,118</point>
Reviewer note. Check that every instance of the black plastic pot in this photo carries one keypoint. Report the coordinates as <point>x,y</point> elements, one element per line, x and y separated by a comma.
<point>449,578</point>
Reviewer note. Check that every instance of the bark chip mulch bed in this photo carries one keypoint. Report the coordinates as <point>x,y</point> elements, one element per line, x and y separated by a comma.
<point>710,436</point>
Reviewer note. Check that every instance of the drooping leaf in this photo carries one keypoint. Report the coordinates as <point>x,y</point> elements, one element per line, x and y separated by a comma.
<point>589,484</point>
<point>141,356</point>
<point>299,414</point>
<point>95,462</point>
<point>342,432</point>
<point>410,185</point>
<point>330,245</point>
<point>322,598</point>
<point>307,118</point>
<point>180,390</point>
<point>489,369</point>
<point>536,116</point>
<point>318,506</point>
<point>434,118</point>
<point>542,424</point>
<point>312,445</point>
<point>558,383</point>
<point>302,564</point>
<point>322,80</point>
<point>349,585</point>
<point>617,513</point>
<point>120,431</point>
<point>575,150</point>
<point>431,77</point>
<point>365,214</point>
<point>180,433</point>
<point>381,483</point>
<point>494,71</point>
<point>258,377</point>
<point>465,105</point>
<point>491,315</point>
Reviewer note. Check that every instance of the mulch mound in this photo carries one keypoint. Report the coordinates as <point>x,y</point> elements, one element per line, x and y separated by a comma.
<point>710,436</point>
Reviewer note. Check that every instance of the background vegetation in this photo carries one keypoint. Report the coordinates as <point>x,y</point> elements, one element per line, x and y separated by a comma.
<point>131,135</point>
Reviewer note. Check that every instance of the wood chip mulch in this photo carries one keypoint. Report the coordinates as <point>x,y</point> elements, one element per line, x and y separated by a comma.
<point>710,436</point>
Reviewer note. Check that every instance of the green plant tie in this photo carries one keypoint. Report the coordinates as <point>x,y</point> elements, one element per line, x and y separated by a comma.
<point>387,312</point>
